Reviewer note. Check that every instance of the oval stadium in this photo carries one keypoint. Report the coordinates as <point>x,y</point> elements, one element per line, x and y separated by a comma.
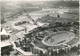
<point>45,38</point>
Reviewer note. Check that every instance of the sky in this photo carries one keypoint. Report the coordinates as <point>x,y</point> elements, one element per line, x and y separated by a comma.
<point>39,0</point>
<point>29,0</point>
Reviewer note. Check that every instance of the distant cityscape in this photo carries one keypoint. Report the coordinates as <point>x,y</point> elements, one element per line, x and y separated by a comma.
<point>39,28</point>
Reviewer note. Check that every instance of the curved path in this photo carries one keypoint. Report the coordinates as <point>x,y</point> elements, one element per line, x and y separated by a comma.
<point>58,38</point>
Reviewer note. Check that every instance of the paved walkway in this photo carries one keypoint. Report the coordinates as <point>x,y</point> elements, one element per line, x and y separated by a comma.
<point>21,51</point>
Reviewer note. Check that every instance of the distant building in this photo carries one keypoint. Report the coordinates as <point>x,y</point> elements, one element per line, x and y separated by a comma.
<point>4,35</point>
<point>5,45</point>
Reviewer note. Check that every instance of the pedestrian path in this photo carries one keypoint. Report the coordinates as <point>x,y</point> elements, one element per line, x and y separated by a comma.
<point>21,51</point>
<point>38,48</point>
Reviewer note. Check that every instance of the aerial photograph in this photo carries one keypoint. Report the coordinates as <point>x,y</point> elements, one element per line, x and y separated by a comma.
<point>39,28</point>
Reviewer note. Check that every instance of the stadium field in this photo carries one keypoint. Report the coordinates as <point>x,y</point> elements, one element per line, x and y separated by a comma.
<point>58,38</point>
